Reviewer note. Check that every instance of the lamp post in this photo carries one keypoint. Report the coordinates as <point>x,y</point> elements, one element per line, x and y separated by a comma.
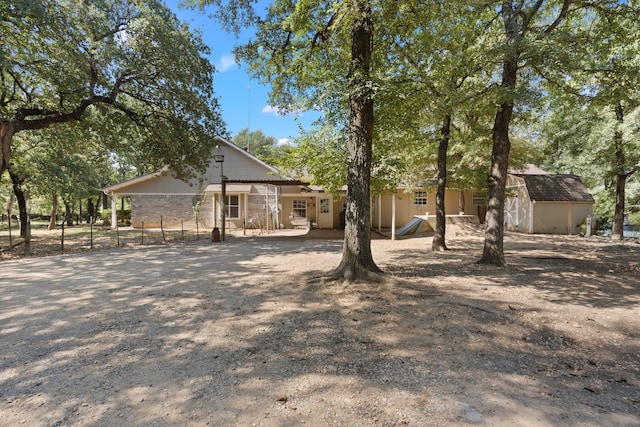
<point>219,158</point>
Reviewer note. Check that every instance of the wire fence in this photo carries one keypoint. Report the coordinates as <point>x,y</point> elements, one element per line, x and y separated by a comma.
<point>40,241</point>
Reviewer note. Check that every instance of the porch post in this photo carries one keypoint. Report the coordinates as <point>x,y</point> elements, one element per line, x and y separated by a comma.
<point>266,220</point>
<point>245,207</point>
<point>114,211</point>
<point>379,212</point>
<point>393,216</point>
<point>278,208</point>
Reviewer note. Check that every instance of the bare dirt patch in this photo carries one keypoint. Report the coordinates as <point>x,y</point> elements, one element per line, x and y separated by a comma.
<point>233,334</point>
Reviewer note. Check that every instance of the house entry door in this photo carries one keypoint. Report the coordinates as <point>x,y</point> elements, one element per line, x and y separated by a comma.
<point>325,213</point>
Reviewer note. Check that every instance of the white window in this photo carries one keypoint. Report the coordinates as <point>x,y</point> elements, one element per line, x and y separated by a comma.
<point>299,208</point>
<point>479,199</point>
<point>420,198</point>
<point>232,206</point>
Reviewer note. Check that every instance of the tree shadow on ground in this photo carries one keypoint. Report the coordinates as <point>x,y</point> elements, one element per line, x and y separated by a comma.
<point>222,335</point>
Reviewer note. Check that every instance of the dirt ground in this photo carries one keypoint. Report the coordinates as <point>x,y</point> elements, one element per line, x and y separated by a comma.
<point>234,333</point>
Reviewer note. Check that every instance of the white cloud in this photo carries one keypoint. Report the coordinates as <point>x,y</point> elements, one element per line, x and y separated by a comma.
<point>226,62</point>
<point>272,110</point>
<point>278,112</point>
<point>283,141</point>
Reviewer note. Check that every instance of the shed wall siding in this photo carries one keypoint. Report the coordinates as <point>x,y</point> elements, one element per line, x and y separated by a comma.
<point>559,218</point>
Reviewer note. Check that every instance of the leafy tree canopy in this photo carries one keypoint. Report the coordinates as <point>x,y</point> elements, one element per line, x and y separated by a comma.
<point>264,147</point>
<point>60,58</point>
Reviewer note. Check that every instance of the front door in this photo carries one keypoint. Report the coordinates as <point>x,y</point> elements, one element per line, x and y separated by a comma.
<point>325,213</point>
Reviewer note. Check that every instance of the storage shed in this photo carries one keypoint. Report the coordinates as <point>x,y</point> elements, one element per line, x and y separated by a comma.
<point>547,203</point>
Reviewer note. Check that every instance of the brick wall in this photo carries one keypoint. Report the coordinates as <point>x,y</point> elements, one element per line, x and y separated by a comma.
<point>175,210</point>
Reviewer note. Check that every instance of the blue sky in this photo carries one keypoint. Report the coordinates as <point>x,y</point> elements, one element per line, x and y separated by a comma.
<point>244,102</point>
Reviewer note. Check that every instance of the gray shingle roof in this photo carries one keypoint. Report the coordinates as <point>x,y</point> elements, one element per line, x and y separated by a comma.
<point>556,188</point>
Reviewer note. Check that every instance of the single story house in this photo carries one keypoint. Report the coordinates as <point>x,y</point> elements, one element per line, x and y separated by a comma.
<point>260,196</point>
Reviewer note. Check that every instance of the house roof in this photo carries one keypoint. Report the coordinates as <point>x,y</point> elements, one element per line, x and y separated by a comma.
<point>556,188</point>
<point>244,186</point>
<point>241,167</point>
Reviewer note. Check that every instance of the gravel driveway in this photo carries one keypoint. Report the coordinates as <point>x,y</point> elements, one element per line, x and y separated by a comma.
<point>234,334</point>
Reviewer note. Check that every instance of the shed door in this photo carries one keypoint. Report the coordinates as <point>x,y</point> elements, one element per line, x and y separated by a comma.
<point>511,213</point>
<point>325,213</point>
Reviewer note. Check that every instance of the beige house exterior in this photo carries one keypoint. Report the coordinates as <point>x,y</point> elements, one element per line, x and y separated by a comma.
<point>395,209</point>
<point>258,196</point>
<point>254,191</point>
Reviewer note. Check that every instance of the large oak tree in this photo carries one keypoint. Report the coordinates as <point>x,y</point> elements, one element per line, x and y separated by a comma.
<point>60,58</point>
<point>318,54</point>
<point>526,26</point>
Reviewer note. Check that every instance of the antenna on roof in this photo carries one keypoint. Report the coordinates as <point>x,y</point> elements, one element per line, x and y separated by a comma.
<point>249,120</point>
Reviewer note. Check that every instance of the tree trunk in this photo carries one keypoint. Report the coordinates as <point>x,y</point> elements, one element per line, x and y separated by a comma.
<point>54,211</point>
<point>7,130</point>
<point>22,202</point>
<point>68,212</point>
<point>357,260</point>
<point>438,243</point>
<point>96,208</point>
<point>493,252</point>
<point>90,210</point>
<point>621,178</point>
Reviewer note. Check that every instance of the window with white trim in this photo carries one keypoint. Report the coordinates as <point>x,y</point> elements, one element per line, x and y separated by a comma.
<point>299,208</point>
<point>232,206</point>
<point>420,198</point>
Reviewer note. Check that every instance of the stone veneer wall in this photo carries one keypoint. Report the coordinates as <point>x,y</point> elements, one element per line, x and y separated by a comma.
<point>175,210</point>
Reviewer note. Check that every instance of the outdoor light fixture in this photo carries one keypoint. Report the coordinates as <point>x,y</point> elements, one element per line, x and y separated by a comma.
<point>219,158</point>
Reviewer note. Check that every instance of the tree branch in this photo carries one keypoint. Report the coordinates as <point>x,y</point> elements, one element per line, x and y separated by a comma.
<point>53,116</point>
<point>528,17</point>
<point>324,33</point>
<point>559,18</point>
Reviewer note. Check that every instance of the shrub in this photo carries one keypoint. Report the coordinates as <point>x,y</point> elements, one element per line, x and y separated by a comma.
<point>123,215</point>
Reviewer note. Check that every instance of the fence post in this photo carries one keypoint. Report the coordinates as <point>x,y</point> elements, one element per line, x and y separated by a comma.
<point>164,240</point>
<point>62,238</point>
<point>182,228</point>
<point>91,232</point>
<point>142,232</point>
<point>117,235</point>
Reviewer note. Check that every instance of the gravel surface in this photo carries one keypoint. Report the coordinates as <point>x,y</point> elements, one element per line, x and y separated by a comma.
<point>235,333</point>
